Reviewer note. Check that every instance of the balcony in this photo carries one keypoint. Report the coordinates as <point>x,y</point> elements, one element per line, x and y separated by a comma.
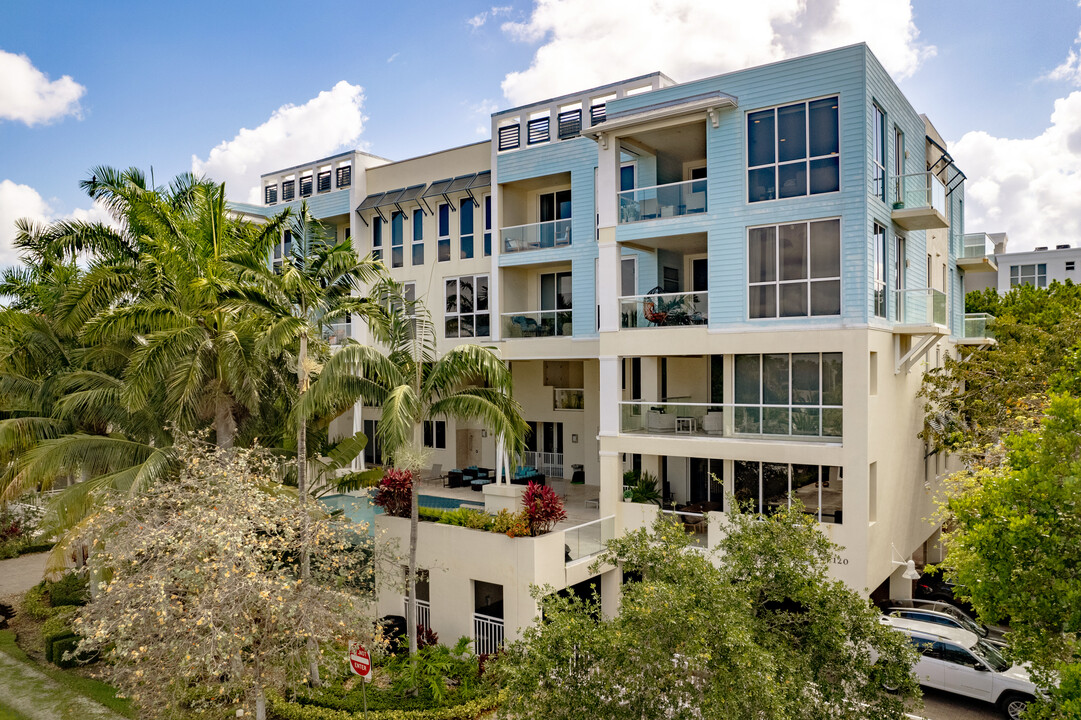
<point>336,334</point>
<point>919,202</point>
<point>588,539</point>
<point>536,236</point>
<point>664,310</point>
<point>537,323</point>
<point>731,420</point>
<point>920,309</point>
<point>662,201</point>
<point>978,254</point>
<point>977,330</point>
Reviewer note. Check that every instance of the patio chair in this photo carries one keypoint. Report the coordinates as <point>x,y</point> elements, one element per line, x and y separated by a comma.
<point>649,310</point>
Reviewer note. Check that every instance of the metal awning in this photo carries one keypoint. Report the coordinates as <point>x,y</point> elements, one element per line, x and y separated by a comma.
<point>391,197</point>
<point>370,201</point>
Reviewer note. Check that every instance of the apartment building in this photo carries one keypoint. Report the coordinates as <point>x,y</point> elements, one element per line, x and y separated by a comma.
<point>733,284</point>
<point>1004,270</point>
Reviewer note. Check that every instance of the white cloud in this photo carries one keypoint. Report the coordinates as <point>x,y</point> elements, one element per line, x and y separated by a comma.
<point>22,201</point>
<point>584,45</point>
<point>1027,187</point>
<point>393,57</point>
<point>294,134</point>
<point>477,21</point>
<point>27,95</point>
<point>1070,69</point>
<point>483,111</point>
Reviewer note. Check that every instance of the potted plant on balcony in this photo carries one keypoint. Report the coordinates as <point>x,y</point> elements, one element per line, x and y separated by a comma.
<point>544,508</point>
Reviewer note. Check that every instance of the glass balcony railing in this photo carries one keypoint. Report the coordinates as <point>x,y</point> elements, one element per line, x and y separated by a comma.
<point>537,323</point>
<point>536,236</point>
<point>662,201</point>
<point>919,190</point>
<point>977,251</point>
<point>664,309</point>
<point>588,539</point>
<point>735,420</point>
<point>976,325</point>
<point>337,333</point>
<point>920,306</point>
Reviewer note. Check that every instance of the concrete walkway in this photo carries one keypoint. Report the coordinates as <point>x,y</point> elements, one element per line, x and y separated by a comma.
<point>18,575</point>
<point>39,697</point>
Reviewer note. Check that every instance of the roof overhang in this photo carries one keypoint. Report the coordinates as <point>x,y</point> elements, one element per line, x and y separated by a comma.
<point>709,103</point>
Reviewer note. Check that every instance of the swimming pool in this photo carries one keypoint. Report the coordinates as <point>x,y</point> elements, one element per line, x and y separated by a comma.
<point>359,508</point>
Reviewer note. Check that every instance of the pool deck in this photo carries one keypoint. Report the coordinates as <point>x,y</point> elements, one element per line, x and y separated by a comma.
<point>574,498</point>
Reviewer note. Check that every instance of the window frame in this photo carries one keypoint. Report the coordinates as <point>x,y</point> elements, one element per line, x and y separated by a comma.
<point>433,430</point>
<point>377,238</point>
<point>1037,278</point>
<point>878,152</point>
<point>777,282</point>
<point>486,205</point>
<point>777,162</point>
<point>880,281</point>
<point>792,407</point>
<point>760,501</point>
<point>417,243</point>
<point>466,216</point>
<point>397,239</point>
<point>475,312</point>
<point>442,243</point>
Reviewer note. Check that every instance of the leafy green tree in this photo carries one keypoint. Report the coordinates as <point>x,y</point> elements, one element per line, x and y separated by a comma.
<point>973,401</point>
<point>1013,538</point>
<point>756,631</point>
<point>411,382</point>
<point>318,284</point>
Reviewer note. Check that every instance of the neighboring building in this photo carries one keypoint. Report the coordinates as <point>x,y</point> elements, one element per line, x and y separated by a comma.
<point>1039,267</point>
<point>740,277</point>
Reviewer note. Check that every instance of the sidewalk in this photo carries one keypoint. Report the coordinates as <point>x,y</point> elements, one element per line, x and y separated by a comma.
<point>18,575</point>
<point>37,696</point>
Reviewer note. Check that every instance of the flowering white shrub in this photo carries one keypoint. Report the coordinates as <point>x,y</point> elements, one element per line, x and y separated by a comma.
<point>199,599</point>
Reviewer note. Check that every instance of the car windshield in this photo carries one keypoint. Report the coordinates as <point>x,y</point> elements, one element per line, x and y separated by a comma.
<point>971,626</point>
<point>990,654</point>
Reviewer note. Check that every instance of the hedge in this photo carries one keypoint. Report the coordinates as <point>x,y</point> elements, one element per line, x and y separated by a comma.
<point>282,710</point>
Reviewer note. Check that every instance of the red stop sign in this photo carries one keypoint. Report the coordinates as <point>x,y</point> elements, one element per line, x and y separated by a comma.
<point>360,661</point>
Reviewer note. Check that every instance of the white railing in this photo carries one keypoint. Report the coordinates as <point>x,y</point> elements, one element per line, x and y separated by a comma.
<point>424,612</point>
<point>664,309</point>
<point>536,236</point>
<point>487,634</point>
<point>796,421</point>
<point>694,524</point>
<point>551,464</point>
<point>662,201</point>
<point>588,539</point>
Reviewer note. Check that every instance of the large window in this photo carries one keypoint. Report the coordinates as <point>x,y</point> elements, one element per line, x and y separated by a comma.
<point>377,238</point>
<point>435,434</point>
<point>878,153</point>
<point>1035,275</point>
<point>770,487</point>
<point>465,228</point>
<point>467,307</point>
<point>373,451</point>
<point>397,239</point>
<point>794,270</point>
<point>793,150</point>
<point>789,394</point>
<point>418,237</point>
<point>443,240</point>
<point>555,303</point>
<point>880,270</point>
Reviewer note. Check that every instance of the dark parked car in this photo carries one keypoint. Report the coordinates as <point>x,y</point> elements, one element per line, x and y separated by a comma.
<point>935,587</point>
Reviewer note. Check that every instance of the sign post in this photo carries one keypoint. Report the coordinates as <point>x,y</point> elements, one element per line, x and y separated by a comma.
<point>361,664</point>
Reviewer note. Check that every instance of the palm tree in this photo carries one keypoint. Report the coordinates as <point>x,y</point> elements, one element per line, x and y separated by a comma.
<point>317,285</point>
<point>412,383</point>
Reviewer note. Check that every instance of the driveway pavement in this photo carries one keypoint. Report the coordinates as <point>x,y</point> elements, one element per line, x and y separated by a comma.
<point>36,696</point>
<point>938,705</point>
<point>18,575</point>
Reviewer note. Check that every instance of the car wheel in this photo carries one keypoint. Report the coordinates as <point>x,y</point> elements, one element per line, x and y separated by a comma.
<point>1012,706</point>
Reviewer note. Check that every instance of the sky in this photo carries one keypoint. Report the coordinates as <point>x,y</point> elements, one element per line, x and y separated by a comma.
<point>236,89</point>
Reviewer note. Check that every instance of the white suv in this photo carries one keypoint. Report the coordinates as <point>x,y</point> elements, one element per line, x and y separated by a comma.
<point>961,662</point>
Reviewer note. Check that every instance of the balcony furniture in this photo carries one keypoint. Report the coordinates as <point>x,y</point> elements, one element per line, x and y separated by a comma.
<point>650,208</point>
<point>526,475</point>
<point>527,325</point>
<point>713,422</point>
<point>456,478</point>
<point>436,473</point>
<point>686,425</point>
<point>578,477</point>
<point>659,421</point>
<point>649,310</point>
<point>479,483</point>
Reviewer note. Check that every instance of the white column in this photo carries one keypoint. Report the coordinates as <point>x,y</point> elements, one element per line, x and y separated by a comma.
<point>607,181</point>
<point>609,395</point>
<point>608,284</point>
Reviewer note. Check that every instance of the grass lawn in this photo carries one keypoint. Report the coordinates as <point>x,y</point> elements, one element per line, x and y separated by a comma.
<point>94,689</point>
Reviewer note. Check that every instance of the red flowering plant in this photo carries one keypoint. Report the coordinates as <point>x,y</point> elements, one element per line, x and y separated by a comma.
<point>543,507</point>
<point>395,494</point>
